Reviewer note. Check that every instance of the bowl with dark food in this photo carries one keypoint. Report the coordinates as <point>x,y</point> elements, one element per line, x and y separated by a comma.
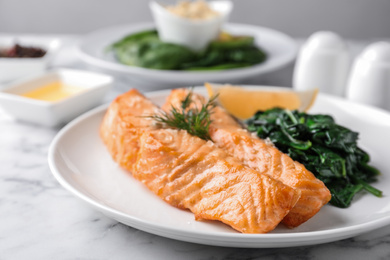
<point>25,56</point>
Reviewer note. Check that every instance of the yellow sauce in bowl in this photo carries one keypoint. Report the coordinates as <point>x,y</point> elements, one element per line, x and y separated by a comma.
<point>54,91</point>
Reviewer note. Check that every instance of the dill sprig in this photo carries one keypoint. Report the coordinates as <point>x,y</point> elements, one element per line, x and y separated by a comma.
<point>195,121</point>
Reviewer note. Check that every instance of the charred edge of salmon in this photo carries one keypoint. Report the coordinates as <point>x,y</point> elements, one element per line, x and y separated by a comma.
<point>241,144</point>
<point>188,172</point>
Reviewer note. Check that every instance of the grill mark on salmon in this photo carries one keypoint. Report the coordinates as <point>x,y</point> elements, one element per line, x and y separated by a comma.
<point>190,173</point>
<point>256,153</point>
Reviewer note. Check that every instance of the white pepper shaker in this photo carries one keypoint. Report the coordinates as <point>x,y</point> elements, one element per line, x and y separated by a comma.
<point>369,81</point>
<point>323,62</point>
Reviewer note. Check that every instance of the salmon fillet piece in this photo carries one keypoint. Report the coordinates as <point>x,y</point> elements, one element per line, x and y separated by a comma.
<point>190,173</point>
<point>123,123</point>
<point>262,156</point>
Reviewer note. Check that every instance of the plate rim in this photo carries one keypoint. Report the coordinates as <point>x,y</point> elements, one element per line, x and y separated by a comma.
<point>224,239</point>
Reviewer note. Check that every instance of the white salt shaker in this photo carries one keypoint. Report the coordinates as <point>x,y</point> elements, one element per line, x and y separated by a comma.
<point>323,62</point>
<point>369,81</point>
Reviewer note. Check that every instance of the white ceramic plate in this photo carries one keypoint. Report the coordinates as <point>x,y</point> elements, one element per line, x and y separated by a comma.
<point>281,50</point>
<point>81,163</point>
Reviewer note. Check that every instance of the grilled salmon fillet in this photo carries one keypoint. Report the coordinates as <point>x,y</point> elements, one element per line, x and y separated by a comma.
<point>191,173</point>
<point>261,156</point>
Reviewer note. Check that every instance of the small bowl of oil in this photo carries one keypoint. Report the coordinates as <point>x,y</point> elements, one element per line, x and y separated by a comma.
<point>56,97</point>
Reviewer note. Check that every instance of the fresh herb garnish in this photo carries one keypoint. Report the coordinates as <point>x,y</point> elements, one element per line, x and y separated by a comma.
<point>195,121</point>
<point>328,150</point>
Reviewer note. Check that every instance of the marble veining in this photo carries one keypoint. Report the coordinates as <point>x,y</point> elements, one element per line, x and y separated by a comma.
<point>41,220</point>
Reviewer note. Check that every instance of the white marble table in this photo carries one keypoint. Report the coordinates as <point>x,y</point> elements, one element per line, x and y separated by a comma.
<point>41,220</point>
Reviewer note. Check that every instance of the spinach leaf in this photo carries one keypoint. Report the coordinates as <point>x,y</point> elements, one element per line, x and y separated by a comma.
<point>328,150</point>
<point>144,49</point>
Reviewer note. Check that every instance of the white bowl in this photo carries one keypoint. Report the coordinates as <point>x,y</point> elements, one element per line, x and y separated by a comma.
<point>195,34</point>
<point>15,68</point>
<point>47,113</point>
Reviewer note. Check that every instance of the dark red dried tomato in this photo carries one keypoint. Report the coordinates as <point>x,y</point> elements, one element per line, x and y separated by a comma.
<point>19,51</point>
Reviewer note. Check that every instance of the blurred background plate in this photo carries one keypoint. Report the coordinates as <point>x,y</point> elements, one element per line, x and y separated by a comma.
<point>281,50</point>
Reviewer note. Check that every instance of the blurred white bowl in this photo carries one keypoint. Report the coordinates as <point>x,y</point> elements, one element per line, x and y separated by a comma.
<point>15,68</point>
<point>195,34</point>
<point>94,87</point>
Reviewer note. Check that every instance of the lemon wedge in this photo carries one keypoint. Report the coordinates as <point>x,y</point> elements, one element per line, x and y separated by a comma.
<point>245,102</point>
